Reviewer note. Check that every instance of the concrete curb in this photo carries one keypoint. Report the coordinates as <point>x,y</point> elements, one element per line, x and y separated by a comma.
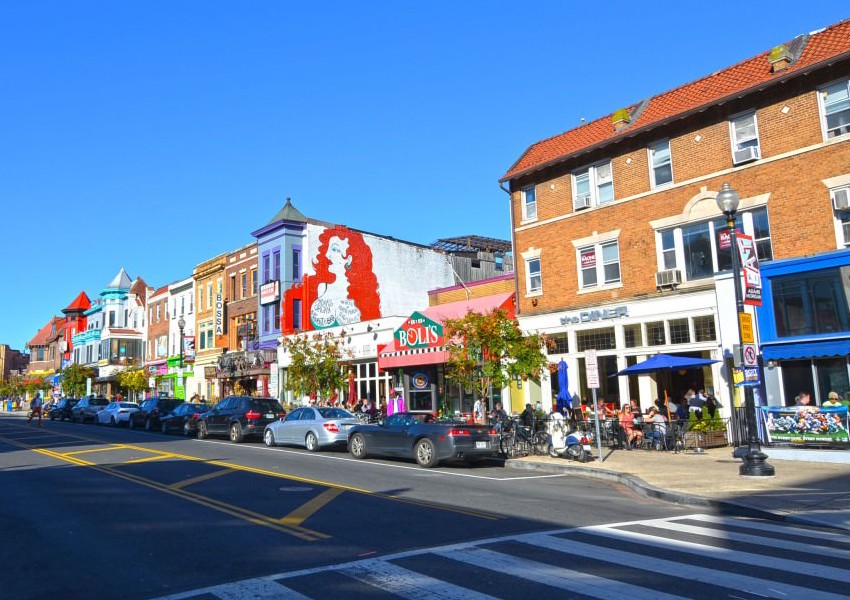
<point>638,485</point>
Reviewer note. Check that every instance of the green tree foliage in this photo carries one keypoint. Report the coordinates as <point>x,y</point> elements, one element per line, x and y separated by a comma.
<point>73,380</point>
<point>490,350</point>
<point>315,366</point>
<point>133,381</point>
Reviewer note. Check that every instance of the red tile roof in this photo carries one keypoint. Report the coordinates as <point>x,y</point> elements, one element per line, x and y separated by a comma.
<point>162,290</point>
<point>744,77</point>
<point>46,334</point>
<point>81,302</point>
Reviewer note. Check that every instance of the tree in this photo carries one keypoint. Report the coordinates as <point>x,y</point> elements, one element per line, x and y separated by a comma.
<point>490,350</point>
<point>133,380</point>
<point>74,378</point>
<point>315,366</point>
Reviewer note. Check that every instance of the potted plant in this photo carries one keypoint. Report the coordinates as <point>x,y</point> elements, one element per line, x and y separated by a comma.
<point>705,430</point>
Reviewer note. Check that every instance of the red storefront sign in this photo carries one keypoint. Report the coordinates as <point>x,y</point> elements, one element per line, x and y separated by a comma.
<point>418,332</point>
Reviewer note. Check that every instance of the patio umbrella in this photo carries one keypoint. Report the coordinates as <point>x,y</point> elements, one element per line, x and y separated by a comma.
<point>665,362</point>
<point>563,398</point>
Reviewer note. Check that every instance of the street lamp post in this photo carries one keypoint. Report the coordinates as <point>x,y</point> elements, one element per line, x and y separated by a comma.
<point>181,324</point>
<point>754,460</point>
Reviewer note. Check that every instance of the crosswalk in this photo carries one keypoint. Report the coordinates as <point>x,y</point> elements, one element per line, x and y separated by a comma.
<point>695,556</point>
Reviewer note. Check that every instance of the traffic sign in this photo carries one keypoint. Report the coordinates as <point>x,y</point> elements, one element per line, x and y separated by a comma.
<point>750,355</point>
<point>591,369</point>
<point>746,321</point>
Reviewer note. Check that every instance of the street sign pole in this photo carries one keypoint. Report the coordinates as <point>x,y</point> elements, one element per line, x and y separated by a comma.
<point>592,372</point>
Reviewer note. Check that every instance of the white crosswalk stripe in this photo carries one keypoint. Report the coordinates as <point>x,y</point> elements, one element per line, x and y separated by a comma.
<point>697,556</point>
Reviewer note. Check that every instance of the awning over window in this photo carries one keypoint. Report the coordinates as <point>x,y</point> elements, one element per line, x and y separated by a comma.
<point>803,350</point>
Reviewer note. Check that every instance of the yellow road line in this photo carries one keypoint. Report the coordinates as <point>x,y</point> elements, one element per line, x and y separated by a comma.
<point>74,461</point>
<point>136,461</point>
<point>111,448</point>
<point>187,482</point>
<point>308,509</point>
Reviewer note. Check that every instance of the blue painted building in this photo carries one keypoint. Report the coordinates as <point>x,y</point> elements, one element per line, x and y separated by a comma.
<point>804,326</point>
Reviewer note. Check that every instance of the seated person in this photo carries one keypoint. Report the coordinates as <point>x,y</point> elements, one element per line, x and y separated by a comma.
<point>527,416</point>
<point>627,423</point>
<point>658,429</point>
<point>498,417</point>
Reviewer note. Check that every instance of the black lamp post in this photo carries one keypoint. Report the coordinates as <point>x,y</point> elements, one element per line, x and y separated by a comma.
<point>754,460</point>
<point>181,324</point>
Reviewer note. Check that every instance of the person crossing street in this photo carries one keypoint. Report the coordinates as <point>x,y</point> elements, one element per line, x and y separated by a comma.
<point>35,408</point>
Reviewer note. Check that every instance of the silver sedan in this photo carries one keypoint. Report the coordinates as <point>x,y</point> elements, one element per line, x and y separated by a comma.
<point>311,427</point>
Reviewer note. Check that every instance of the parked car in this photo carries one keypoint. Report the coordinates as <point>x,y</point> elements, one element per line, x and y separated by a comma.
<point>150,412</point>
<point>116,413</point>
<point>62,409</point>
<point>87,408</point>
<point>423,438</point>
<point>311,427</point>
<point>183,418</point>
<point>239,416</point>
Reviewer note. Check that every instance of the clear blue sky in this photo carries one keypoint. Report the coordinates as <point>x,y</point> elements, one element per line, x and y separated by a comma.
<point>154,135</point>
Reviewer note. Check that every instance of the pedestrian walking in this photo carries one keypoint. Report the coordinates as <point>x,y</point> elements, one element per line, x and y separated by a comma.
<point>35,408</point>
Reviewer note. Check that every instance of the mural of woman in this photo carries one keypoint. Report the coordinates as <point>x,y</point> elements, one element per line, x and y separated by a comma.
<point>346,289</point>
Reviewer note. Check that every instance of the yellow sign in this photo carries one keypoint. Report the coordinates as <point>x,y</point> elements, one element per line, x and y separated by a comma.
<point>746,321</point>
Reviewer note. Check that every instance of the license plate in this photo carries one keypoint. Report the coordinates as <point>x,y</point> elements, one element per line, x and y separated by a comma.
<point>482,445</point>
<point>270,415</point>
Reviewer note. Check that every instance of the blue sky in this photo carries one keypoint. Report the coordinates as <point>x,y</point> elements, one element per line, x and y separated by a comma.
<point>154,135</point>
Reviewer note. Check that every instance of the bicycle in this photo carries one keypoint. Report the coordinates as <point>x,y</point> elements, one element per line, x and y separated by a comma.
<point>520,440</point>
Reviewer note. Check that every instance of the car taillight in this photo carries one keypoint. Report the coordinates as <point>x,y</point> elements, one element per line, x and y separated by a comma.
<point>459,432</point>
<point>494,432</point>
<point>252,415</point>
<point>331,427</point>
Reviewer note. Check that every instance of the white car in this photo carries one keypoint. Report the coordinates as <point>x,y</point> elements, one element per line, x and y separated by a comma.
<point>116,413</point>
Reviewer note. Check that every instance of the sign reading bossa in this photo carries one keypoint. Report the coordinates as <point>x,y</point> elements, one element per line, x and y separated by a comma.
<point>219,315</point>
<point>808,424</point>
<point>418,331</point>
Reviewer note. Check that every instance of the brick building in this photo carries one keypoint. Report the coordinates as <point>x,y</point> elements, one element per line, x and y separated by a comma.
<point>619,242</point>
<point>211,340</point>
<point>157,341</point>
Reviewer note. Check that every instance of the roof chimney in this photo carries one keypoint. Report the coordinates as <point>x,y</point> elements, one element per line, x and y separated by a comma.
<point>621,118</point>
<point>779,58</point>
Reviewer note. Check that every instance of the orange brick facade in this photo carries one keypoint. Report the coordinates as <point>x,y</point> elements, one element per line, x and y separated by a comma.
<point>795,159</point>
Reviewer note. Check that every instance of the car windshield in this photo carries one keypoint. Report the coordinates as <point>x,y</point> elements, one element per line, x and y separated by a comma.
<point>266,405</point>
<point>334,413</point>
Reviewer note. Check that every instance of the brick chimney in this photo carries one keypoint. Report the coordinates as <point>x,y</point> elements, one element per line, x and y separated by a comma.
<point>621,118</point>
<point>779,58</point>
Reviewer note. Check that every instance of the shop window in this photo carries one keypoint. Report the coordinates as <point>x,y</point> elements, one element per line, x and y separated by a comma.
<point>832,377</point>
<point>810,304</point>
<point>595,339</point>
<point>655,334</point>
<point>633,335</point>
<point>558,343</point>
<point>704,330</point>
<point>680,331</point>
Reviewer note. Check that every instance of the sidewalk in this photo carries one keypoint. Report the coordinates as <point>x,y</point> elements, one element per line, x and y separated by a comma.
<point>809,492</point>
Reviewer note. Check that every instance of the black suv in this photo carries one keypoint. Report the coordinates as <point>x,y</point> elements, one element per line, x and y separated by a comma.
<point>240,416</point>
<point>62,409</point>
<point>87,408</point>
<point>150,412</point>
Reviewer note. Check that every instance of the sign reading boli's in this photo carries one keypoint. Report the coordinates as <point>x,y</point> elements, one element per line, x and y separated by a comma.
<point>419,331</point>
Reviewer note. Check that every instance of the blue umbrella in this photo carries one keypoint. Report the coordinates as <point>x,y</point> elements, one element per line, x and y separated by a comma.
<point>563,398</point>
<point>665,362</point>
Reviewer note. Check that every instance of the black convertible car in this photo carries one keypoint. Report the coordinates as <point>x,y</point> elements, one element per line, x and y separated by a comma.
<point>422,437</point>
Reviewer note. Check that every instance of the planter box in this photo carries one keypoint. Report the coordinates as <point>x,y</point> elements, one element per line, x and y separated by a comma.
<point>706,439</point>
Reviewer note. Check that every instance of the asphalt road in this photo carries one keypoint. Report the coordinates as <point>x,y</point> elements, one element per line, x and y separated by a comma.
<point>109,512</point>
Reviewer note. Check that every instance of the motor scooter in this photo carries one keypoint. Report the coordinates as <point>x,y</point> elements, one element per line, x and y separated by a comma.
<point>566,443</point>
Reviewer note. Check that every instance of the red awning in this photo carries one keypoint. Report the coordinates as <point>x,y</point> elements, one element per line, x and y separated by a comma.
<point>391,357</point>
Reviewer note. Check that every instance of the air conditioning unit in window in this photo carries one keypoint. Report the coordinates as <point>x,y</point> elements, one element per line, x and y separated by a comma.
<point>841,199</point>
<point>580,202</point>
<point>668,278</point>
<point>746,154</point>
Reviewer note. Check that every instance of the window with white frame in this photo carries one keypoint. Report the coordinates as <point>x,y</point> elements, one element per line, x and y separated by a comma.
<point>599,264</point>
<point>744,134</point>
<point>593,186</point>
<point>206,336</point>
<point>533,276</point>
<point>702,249</point>
<point>660,164</point>
<point>529,204</point>
<point>840,197</point>
<point>835,103</point>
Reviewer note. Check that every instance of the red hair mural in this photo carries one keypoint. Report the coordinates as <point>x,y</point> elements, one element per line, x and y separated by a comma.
<point>344,287</point>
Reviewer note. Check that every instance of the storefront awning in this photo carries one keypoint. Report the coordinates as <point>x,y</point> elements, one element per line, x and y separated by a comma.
<point>804,350</point>
<point>391,357</point>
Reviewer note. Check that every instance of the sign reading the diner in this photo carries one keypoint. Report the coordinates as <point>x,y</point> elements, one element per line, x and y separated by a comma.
<point>418,331</point>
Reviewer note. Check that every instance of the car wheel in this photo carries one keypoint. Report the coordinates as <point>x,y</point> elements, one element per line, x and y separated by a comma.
<point>426,453</point>
<point>202,430</point>
<point>148,425</point>
<point>268,437</point>
<point>236,434</point>
<point>131,423</point>
<point>357,446</point>
<point>163,426</point>
<point>312,442</point>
